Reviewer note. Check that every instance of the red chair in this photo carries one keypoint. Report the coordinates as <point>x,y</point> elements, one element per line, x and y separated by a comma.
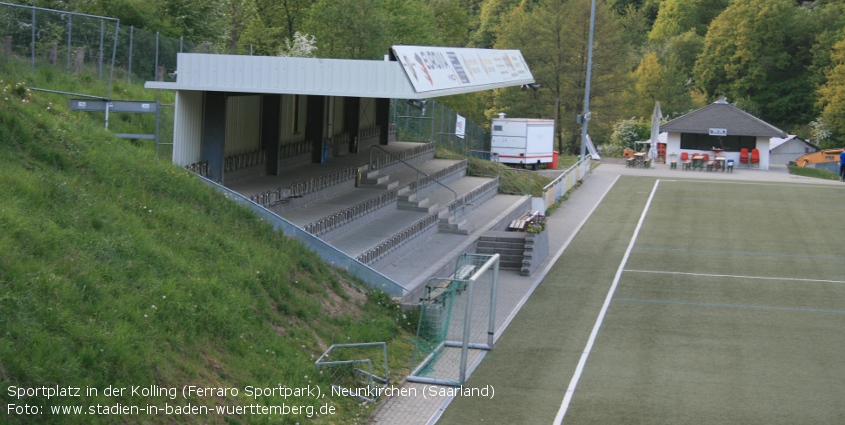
<point>755,157</point>
<point>743,155</point>
<point>685,161</point>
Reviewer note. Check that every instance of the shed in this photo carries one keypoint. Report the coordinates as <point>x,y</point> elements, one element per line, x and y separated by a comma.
<point>722,126</point>
<point>783,150</point>
<point>247,116</point>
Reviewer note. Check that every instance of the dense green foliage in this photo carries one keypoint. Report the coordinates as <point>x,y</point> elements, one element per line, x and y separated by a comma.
<point>773,58</point>
<point>119,269</point>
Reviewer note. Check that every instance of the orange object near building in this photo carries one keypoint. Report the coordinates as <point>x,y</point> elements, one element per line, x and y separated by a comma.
<point>827,155</point>
<point>555,155</point>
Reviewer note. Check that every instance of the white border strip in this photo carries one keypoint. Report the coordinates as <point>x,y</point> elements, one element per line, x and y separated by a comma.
<point>551,263</point>
<point>567,398</point>
<point>795,279</point>
<point>436,416</point>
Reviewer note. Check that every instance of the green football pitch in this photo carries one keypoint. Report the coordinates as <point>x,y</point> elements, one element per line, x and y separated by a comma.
<point>681,301</point>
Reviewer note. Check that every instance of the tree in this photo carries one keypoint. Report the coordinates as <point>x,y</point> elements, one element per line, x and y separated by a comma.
<point>676,17</point>
<point>489,21</point>
<point>302,46</point>
<point>554,37</point>
<point>355,29</point>
<point>831,95</point>
<point>664,75</point>
<point>756,53</point>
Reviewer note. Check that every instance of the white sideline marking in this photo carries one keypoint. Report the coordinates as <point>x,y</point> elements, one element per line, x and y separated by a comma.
<point>760,183</point>
<point>567,398</point>
<point>796,279</point>
<point>551,262</point>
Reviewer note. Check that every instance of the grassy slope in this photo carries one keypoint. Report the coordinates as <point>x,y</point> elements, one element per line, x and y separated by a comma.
<point>117,269</point>
<point>818,173</point>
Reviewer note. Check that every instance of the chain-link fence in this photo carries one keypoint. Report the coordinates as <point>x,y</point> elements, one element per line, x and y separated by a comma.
<point>435,122</point>
<point>99,47</point>
<point>95,46</point>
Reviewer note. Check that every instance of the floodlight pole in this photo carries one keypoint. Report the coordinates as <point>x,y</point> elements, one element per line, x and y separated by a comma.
<point>586,117</point>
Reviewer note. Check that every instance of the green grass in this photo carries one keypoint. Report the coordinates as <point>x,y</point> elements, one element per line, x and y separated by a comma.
<point>818,173</point>
<point>513,181</point>
<point>120,270</point>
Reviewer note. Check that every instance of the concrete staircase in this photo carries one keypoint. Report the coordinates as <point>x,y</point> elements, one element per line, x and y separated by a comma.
<point>509,245</point>
<point>407,200</point>
<point>374,179</point>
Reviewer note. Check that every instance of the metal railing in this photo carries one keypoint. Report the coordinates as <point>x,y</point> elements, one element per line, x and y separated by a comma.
<point>200,168</point>
<point>331,222</point>
<point>384,161</point>
<point>305,187</point>
<point>244,160</point>
<point>399,239</point>
<point>417,186</point>
<point>295,148</point>
<point>328,253</point>
<point>438,175</point>
<point>565,181</point>
<point>473,195</point>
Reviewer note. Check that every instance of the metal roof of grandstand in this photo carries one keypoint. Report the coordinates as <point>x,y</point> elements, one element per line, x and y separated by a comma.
<point>416,73</point>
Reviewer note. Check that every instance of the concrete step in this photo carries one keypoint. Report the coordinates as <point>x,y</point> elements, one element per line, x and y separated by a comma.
<point>420,206</point>
<point>503,252</point>
<point>449,225</point>
<point>512,265</point>
<point>506,239</point>
<point>503,245</point>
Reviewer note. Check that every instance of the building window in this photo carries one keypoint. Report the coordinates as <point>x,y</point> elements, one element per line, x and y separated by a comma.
<point>706,142</point>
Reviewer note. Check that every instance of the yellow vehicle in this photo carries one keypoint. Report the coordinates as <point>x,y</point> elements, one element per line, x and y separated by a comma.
<point>827,155</point>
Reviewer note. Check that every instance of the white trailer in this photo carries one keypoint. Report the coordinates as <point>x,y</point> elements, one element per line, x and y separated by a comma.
<point>523,140</point>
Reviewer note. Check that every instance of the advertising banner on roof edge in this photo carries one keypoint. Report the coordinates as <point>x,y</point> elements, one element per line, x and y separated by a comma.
<point>439,68</point>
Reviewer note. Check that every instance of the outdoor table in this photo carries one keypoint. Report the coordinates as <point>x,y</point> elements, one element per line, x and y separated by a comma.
<point>639,159</point>
<point>717,151</point>
<point>720,163</point>
<point>698,162</point>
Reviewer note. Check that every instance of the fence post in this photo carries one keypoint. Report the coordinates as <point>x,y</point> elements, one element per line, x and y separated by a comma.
<point>53,54</point>
<point>100,53</point>
<point>69,31</point>
<point>131,35</point>
<point>155,70</point>
<point>33,39</point>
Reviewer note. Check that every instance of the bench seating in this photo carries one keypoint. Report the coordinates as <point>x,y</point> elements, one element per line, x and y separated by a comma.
<point>521,223</point>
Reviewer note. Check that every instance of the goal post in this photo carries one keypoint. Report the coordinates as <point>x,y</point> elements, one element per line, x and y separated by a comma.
<point>443,343</point>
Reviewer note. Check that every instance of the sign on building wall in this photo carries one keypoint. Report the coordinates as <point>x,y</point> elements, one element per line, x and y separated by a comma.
<point>718,131</point>
<point>438,68</point>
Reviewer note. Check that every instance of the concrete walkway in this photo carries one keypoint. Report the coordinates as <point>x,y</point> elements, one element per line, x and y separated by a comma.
<point>514,290</point>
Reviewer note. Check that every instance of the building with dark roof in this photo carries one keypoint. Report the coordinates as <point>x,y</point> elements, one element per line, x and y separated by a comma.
<point>721,127</point>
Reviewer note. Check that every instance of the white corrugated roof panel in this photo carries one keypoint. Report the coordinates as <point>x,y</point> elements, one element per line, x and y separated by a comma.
<point>305,76</point>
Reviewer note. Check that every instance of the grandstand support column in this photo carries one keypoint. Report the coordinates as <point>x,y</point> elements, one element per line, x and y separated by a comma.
<point>214,133</point>
<point>383,120</point>
<point>314,109</point>
<point>352,120</point>
<point>271,106</point>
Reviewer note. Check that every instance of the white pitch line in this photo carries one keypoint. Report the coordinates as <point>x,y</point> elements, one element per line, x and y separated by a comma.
<point>737,276</point>
<point>436,416</point>
<point>567,398</point>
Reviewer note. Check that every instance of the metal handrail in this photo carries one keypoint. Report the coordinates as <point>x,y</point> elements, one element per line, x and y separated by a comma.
<point>333,221</point>
<point>417,170</point>
<point>398,239</point>
<point>566,173</point>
